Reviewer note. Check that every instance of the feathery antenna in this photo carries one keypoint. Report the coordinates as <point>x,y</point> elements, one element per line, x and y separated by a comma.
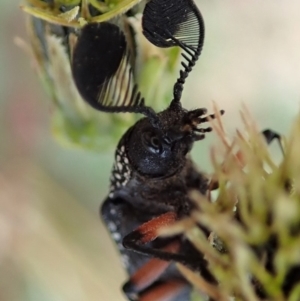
<point>168,23</point>
<point>103,73</point>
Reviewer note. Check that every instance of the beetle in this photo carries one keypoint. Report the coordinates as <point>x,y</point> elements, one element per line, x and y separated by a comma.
<point>153,172</point>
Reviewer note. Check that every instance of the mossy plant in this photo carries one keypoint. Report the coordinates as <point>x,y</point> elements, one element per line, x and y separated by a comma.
<point>253,249</point>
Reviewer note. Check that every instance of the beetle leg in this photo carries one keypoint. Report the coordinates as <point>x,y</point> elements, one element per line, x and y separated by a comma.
<point>141,282</point>
<point>270,135</point>
<point>150,271</point>
<point>148,231</point>
<point>165,291</point>
<point>144,284</point>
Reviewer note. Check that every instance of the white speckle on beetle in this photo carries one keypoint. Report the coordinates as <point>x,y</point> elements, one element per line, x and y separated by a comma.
<point>125,260</point>
<point>118,184</point>
<point>112,211</point>
<point>112,226</point>
<point>116,236</point>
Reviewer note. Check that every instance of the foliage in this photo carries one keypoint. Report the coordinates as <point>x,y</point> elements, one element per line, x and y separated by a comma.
<point>254,221</point>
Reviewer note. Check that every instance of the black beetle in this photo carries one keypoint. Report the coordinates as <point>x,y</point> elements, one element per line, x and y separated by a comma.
<point>153,173</point>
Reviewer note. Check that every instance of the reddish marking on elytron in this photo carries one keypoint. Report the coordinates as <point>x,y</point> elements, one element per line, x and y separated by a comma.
<point>149,230</point>
<point>149,272</point>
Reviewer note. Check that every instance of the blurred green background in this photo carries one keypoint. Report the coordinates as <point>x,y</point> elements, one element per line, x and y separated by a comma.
<point>53,245</point>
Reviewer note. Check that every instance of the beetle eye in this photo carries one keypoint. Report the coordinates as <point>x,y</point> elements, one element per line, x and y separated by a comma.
<point>155,142</point>
<point>152,142</point>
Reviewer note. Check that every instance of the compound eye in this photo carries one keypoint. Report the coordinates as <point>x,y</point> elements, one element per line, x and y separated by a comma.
<point>152,142</point>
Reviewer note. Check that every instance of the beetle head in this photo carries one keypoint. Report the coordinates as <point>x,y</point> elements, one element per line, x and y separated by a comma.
<point>158,148</point>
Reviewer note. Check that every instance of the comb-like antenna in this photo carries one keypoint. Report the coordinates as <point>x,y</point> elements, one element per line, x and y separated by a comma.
<point>168,23</point>
<point>102,71</point>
